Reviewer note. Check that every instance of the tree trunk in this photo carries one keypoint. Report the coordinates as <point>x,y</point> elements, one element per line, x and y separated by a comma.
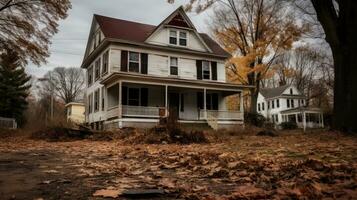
<point>254,98</point>
<point>340,30</point>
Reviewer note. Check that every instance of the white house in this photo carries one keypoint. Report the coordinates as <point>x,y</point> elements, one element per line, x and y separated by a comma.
<point>287,103</point>
<point>138,73</point>
<point>75,112</point>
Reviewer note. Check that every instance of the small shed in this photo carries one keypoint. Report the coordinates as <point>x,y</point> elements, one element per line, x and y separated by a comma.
<point>75,112</point>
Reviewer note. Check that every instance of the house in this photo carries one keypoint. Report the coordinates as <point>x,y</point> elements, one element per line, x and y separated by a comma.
<point>75,112</point>
<point>138,73</point>
<point>288,104</point>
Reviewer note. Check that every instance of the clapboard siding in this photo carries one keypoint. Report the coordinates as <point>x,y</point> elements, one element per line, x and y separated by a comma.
<point>158,65</point>
<point>114,60</point>
<point>187,68</point>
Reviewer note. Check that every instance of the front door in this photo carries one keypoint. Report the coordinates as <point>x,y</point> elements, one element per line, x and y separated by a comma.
<point>174,104</point>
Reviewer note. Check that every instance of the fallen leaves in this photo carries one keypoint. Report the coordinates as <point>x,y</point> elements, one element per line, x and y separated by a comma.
<point>110,192</point>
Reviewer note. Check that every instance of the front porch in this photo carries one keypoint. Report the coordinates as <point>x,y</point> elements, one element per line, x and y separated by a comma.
<point>304,117</point>
<point>143,104</point>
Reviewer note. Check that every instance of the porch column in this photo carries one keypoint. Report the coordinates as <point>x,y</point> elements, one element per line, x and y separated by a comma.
<point>166,101</point>
<point>120,100</point>
<point>241,104</point>
<point>205,101</point>
<point>296,118</point>
<point>304,120</point>
<point>322,120</point>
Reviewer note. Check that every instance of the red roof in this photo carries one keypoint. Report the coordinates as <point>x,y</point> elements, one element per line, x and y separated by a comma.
<point>139,32</point>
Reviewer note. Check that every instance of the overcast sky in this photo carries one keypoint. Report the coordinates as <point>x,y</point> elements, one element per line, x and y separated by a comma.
<point>69,44</point>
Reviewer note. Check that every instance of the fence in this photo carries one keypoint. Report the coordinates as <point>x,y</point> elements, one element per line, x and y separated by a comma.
<point>8,123</point>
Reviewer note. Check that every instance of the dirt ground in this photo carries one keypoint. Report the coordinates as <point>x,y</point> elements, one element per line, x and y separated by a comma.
<point>290,166</point>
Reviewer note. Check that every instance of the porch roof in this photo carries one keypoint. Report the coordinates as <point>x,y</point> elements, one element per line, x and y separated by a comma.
<point>302,109</point>
<point>172,81</point>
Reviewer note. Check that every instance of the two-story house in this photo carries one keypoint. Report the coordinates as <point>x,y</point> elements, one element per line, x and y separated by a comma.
<point>138,73</point>
<point>287,103</point>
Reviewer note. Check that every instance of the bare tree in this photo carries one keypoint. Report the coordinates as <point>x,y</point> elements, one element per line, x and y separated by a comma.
<point>26,26</point>
<point>66,83</point>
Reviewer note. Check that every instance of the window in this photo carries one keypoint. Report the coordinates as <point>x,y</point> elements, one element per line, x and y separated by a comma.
<point>96,100</point>
<point>90,75</point>
<point>263,106</point>
<point>178,38</point>
<point>182,103</point>
<point>103,90</point>
<point>276,118</point>
<point>272,104</point>
<point>133,96</point>
<point>183,38</point>
<point>292,103</point>
<point>105,62</point>
<point>288,102</point>
<point>134,62</point>
<point>173,66</point>
<point>97,69</point>
<point>291,91</point>
<point>69,111</point>
<point>258,106</point>
<point>173,37</point>
<point>268,105</point>
<point>277,103</point>
<point>206,71</point>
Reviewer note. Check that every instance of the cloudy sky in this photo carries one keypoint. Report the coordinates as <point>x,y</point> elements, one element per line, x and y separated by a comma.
<point>69,44</point>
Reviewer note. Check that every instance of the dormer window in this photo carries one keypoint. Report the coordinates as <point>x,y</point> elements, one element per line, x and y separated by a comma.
<point>173,37</point>
<point>291,91</point>
<point>183,38</point>
<point>178,38</point>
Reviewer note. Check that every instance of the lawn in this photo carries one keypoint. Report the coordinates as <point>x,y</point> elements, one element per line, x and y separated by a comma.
<point>293,165</point>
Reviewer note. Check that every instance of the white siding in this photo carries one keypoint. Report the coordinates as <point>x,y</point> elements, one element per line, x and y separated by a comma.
<point>187,68</point>
<point>114,63</point>
<point>221,72</point>
<point>158,65</point>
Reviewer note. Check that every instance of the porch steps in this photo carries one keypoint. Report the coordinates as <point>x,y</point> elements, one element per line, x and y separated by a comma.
<point>212,121</point>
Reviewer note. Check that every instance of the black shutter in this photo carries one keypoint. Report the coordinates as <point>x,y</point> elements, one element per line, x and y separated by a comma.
<point>124,61</point>
<point>144,96</point>
<point>182,109</point>
<point>199,69</point>
<point>124,95</point>
<point>144,63</point>
<point>214,70</point>
<point>200,100</point>
<point>214,101</point>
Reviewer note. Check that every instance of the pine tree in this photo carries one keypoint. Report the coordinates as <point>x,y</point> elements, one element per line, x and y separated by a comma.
<point>14,87</point>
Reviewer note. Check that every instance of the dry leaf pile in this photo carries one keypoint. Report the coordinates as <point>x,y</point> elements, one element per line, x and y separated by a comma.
<point>291,166</point>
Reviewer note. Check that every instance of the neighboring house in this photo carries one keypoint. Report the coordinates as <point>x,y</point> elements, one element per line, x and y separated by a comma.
<point>287,103</point>
<point>138,73</point>
<point>75,112</point>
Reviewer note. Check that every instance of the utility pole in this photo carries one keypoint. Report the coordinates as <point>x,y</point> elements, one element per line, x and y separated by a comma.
<point>52,90</point>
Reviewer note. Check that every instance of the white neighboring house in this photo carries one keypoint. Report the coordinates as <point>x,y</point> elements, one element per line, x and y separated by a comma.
<point>75,112</point>
<point>138,73</point>
<point>287,103</point>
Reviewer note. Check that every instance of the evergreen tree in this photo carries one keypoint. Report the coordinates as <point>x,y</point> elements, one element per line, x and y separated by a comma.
<point>14,86</point>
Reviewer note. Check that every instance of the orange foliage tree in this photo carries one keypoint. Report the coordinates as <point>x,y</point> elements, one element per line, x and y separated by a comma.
<point>255,32</point>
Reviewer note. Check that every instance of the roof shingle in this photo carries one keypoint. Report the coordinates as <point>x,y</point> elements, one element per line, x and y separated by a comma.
<point>139,32</point>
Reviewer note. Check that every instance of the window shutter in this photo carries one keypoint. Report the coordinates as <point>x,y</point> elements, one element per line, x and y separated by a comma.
<point>144,63</point>
<point>144,96</point>
<point>124,61</point>
<point>182,109</point>
<point>214,70</point>
<point>124,95</point>
<point>199,69</point>
<point>200,100</point>
<point>214,101</point>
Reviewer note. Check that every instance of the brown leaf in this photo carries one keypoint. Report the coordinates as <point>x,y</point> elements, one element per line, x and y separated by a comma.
<point>108,193</point>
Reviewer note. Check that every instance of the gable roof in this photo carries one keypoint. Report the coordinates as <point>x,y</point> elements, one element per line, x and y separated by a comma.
<point>139,32</point>
<point>273,92</point>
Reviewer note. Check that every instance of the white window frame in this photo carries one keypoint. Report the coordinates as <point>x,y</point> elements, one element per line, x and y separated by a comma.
<point>90,72</point>
<point>99,60</point>
<point>210,70</point>
<point>107,62</point>
<point>178,37</point>
<point>176,66</point>
<point>139,61</point>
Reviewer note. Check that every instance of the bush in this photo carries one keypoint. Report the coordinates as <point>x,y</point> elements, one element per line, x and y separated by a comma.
<point>254,119</point>
<point>288,125</point>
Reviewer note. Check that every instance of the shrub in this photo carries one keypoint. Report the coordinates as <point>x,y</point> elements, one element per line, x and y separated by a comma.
<point>288,125</point>
<point>254,119</point>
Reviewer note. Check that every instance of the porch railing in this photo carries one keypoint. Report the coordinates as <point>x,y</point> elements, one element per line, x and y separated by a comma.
<point>141,111</point>
<point>221,114</point>
<point>112,112</point>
